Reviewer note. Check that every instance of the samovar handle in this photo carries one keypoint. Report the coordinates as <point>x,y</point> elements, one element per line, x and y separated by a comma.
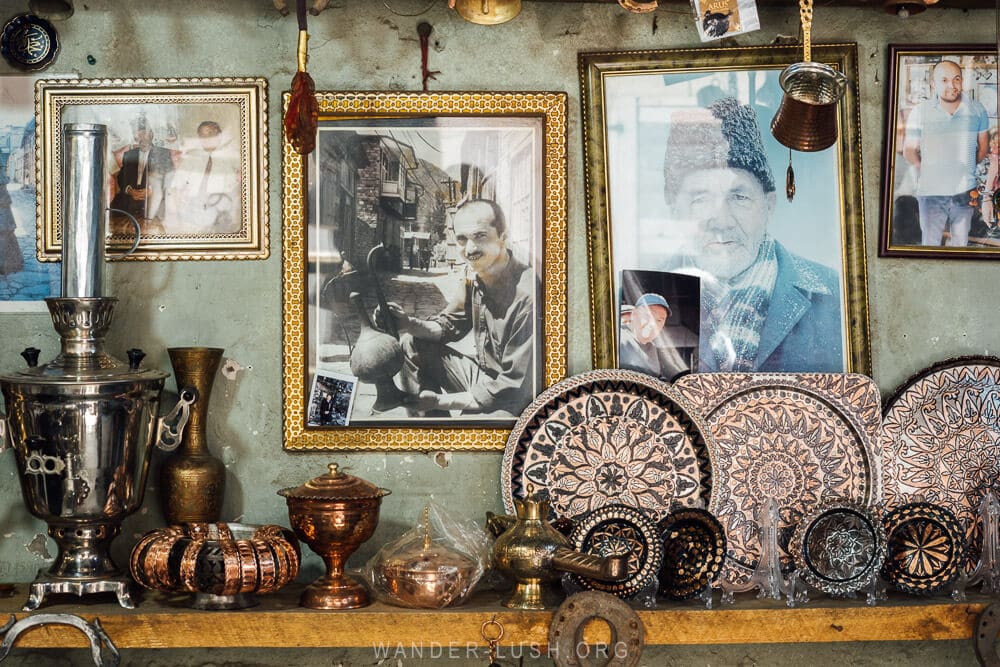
<point>170,427</point>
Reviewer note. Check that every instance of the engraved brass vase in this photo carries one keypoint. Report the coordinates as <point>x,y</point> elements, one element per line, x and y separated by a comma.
<point>334,514</point>
<point>192,481</point>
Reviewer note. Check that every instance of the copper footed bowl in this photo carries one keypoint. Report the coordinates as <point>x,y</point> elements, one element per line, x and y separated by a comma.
<point>225,565</point>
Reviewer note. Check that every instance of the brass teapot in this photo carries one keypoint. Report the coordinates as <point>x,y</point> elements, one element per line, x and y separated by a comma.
<point>534,553</point>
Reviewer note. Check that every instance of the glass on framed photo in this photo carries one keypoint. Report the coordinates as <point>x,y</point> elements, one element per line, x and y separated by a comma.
<point>659,319</point>
<point>24,281</point>
<point>696,185</point>
<point>941,179</point>
<point>331,400</point>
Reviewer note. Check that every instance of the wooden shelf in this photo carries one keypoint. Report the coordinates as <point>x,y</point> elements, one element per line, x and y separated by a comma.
<point>164,622</point>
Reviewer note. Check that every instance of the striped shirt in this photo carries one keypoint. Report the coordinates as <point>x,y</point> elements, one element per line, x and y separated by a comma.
<point>947,145</point>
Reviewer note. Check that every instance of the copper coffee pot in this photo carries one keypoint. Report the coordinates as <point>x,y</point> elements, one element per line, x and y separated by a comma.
<point>534,553</point>
<point>334,514</point>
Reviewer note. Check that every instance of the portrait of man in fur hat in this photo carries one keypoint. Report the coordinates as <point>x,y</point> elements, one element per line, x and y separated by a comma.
<point>764,307</point>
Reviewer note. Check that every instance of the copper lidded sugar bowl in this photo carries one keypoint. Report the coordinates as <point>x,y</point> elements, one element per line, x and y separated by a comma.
<point>426,573</point>
<point>334,514</point>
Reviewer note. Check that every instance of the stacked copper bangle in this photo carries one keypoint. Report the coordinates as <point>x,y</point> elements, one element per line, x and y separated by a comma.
<point>246,559</point>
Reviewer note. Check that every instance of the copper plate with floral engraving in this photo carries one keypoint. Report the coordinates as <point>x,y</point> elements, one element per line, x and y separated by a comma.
<point>608,436</point>
<point>941,439</point>
<point>926,548</point>
<point>618,530</point>
<point>801,438</point>
<point>694,549</point>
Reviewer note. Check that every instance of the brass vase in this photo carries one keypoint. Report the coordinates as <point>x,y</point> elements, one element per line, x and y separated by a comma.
<point>192,481</point>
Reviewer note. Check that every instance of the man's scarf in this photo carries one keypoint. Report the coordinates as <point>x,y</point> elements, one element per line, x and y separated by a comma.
<point>735,311</point>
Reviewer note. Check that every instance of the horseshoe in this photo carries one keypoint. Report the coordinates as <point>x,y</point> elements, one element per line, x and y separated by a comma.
<point>986,633</point>
<point>572,616</point>
<point>95,633</point>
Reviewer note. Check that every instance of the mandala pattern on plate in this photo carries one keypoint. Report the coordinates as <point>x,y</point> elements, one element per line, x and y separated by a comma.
<point>624,459</point>
<point>618,530</point>
<point>609,436</point>
<point>802,439</point>
<point>941,439</point>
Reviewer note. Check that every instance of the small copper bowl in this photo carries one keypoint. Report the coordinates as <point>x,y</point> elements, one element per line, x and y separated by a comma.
<point>334,514</point>
<point>225,565</point>
<point>430,577</point>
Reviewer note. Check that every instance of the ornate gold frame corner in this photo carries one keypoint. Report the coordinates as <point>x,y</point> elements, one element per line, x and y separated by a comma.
<point>552,107</point>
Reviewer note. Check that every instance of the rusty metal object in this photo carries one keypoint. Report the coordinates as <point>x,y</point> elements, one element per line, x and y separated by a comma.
<point>192,481</point>
<point>639,7</point>
<point>95,633</point>
<point>566,639</point>
<point>334,514</point>
<point>224,565</point>
<point>987,628</point>
<point>533,553</point>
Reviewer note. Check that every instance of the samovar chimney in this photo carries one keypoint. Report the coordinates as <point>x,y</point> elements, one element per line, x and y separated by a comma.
<point>85,202</point>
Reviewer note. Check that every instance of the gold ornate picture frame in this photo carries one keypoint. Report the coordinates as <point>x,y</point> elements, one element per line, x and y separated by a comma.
<point>186,157</point>
<point>667,134</point>
<point>449,211</point>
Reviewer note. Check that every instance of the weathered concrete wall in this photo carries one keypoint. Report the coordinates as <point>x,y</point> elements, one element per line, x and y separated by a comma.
<point>921,311</point>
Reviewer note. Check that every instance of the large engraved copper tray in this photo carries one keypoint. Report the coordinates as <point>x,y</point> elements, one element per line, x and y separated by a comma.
<point>801,438</point>
<point>606,437</point>
<point>941,439</point>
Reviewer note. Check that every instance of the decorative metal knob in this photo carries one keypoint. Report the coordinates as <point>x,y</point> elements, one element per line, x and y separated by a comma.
<point>135,357</point>
<point>30,355</point>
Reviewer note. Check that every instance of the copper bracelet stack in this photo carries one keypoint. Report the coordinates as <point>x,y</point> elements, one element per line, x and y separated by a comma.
<point>216,559</point>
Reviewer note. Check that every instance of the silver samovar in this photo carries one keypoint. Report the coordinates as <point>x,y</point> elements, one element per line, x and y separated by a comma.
<point>82,426</point>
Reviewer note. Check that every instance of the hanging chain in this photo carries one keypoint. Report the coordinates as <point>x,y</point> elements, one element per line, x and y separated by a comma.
<point>806,16</point>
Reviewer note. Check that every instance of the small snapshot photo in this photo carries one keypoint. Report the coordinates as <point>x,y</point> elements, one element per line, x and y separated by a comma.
<point>331,399</point>
<point>659,316</point>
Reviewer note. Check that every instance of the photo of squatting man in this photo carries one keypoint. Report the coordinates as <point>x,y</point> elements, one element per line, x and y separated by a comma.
<point>498,307</point>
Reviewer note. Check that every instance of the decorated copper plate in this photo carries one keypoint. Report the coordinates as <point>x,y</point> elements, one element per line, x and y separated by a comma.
<point>608,436</point>
<point>619,530</point>
<point>800,438</point>
<point>694,549</point>
<point>839,547</point>
<point>941,439</point>
<point>926,548</point>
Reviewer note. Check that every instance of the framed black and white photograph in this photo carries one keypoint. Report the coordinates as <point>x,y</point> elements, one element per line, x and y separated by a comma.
<point>683,176</point>
<point>941,175</point>
<point>431,265</point>
<point>186,158</point>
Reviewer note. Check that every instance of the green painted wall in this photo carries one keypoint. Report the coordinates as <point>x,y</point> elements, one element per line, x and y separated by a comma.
<point>921,311</point>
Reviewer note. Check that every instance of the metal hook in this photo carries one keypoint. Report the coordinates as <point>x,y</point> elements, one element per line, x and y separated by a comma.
<point>95,633</point>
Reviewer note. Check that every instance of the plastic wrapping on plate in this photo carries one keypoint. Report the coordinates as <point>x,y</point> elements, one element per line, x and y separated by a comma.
<point>433,565</point>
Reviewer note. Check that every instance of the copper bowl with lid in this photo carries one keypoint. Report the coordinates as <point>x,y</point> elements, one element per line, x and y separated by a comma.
<point>334,514</point>
<point>430,576</point>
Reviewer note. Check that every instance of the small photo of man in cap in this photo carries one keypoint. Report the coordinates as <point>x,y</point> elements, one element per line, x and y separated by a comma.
<point>657,336</point>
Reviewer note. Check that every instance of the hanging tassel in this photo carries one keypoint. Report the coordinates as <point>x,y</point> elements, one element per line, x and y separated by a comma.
<point>302,115</point>
<point>790,179</point>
